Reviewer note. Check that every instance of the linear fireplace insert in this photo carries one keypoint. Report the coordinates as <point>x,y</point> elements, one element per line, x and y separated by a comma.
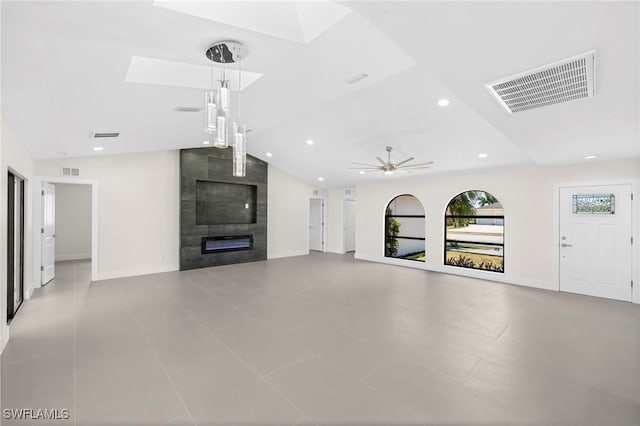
<point>226,243</point>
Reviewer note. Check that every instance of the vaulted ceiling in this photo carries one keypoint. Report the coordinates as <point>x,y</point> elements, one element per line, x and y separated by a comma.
<point>67,71</point>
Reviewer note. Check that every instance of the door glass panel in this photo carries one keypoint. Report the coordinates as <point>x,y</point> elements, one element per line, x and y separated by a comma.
<point>594,204</point>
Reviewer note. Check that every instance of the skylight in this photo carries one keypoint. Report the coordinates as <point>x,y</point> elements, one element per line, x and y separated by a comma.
<point>299,21</point>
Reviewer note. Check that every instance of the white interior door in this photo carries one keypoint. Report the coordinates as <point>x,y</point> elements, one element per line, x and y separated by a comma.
<point>595,241</point>
<point>349,225</point>
<point>316,224</point>
<point>48,232</point>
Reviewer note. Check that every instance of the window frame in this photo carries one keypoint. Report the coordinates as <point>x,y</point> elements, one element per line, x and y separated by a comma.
<point>475,217</point>
<point>392,216</point>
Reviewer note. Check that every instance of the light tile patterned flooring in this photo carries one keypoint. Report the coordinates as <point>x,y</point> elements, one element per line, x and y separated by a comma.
<point>320,339</point>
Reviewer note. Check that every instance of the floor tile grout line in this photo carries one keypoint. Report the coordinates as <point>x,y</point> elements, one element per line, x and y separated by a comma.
<point>271,386</point>
<point>291,364</point>
<point>150,345</point>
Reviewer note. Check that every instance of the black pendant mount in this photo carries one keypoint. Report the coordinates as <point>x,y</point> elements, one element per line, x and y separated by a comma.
<point>226,52</point>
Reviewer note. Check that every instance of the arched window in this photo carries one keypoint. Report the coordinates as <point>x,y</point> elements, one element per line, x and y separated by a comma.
<point>474,232</point>
<point>404,229</point>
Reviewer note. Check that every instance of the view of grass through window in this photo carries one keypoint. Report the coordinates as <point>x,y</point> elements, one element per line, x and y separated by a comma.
<point>474,232</point>
<point>404,229</point>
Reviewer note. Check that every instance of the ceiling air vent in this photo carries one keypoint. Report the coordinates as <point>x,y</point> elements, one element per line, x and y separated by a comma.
<point>187,109</point>
<point>563,81</point>
<point>105,135</point>
<point>70,171</point>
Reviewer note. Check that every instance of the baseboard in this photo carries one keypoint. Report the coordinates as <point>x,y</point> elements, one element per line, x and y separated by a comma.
<point>29,292</point>
<point>391,261</point>
<point>5,337</point>
<point>288,254</point>
<point>65,257</point>
<point>336,251</point>
<point>452,270</point>
<point>110,275</point>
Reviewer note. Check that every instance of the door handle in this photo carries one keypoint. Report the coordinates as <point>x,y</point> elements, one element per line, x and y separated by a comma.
<point>565,245</point>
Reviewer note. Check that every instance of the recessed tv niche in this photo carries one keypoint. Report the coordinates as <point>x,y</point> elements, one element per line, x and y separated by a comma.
<point>219,203</point>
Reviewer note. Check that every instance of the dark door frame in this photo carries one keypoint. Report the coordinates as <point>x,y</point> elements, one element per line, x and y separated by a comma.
<point>11,243</point>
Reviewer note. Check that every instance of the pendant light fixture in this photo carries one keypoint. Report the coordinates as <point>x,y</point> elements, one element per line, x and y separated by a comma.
<point>239,137</point>
<point>217,104</point>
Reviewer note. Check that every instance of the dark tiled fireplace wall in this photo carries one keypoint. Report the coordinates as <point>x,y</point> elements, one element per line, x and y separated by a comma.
<point>242,199</point>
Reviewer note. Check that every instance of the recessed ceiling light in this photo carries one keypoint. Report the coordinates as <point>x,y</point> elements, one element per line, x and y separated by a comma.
<point>320,178</point>
<point>268,154</point>
<point>309,142</point>
<point>443,102</point>
<point>98,148</point>
<point>590,157</point>
<point>482,155</point>
<point>361,172</point>
<point>206,143</point>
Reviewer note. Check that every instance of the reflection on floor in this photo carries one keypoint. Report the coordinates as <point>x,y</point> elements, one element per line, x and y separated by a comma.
<point>320,339</point>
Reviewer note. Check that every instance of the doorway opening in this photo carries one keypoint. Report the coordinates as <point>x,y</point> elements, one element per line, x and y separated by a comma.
<point>67,211</point>
<point>15,244</point>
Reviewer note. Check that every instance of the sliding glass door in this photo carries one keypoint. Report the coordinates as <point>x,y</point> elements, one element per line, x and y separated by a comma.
<point>15,244</point>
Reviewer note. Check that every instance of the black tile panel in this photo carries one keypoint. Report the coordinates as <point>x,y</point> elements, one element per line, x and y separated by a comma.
<point>209,193</point>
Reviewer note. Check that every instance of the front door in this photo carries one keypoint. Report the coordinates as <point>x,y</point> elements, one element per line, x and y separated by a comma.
<point>48,232</point>
<point>596,241</point>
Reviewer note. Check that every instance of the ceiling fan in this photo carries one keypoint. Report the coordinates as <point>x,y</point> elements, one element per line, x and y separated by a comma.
<point>389,168</point>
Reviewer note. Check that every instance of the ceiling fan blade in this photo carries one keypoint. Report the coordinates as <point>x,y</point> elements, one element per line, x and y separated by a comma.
<point>364,168</point>
<point>368,165</point>
<point>381,161</point>
<point>416,168</point>
<point>428,163</point>
<point>404,161</point>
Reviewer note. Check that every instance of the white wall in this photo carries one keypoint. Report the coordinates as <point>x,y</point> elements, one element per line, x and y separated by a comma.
<point>73,221</point>
<point>288,214</point>
<point>335,217</point>
<point>138,202</point>
<point>527,198</point>
<point>15,156</point>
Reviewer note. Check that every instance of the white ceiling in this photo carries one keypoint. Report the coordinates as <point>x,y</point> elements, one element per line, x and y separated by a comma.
<point>64,66</point>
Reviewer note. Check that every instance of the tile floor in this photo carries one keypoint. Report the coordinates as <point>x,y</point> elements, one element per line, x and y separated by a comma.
<point>320,339</point>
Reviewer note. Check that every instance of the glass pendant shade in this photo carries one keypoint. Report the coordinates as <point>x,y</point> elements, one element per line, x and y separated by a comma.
<point>212,111</point>
<point>223,95</point>
<point>239,149</point>
<point>221,130</point>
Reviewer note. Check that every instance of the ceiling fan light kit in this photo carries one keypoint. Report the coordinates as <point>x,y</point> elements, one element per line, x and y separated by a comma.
<point>389,168</point>
<point>217,104</point>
